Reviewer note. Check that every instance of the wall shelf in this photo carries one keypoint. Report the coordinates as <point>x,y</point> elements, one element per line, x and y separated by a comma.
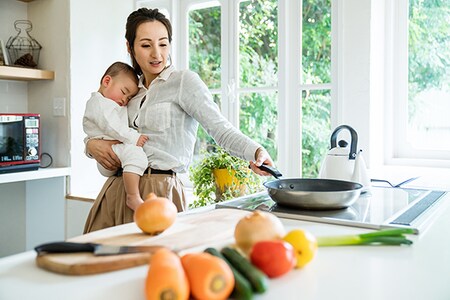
<point>25,74</point>
<point>34,175</point>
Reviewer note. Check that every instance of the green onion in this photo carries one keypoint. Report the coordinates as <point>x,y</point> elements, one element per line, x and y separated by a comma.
<point>380,237</point>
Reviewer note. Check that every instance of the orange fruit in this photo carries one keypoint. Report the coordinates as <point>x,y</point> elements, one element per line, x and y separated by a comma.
<point>155,215</point>
<point>209,276</point>
<point>166,278</point>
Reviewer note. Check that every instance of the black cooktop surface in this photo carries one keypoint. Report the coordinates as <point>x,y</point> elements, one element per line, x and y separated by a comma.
<point>380,208</point>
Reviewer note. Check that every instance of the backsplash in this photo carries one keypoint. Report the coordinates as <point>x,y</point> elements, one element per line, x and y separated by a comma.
<point>13,96</point>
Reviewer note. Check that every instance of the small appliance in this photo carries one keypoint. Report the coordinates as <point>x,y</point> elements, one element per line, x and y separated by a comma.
<point>19,142</point>
<point>343,162</point>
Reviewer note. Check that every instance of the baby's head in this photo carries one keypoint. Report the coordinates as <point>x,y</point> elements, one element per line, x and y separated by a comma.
<point>119,83</point>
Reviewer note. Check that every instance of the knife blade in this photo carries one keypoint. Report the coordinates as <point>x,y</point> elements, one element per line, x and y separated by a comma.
<point>96,249</point>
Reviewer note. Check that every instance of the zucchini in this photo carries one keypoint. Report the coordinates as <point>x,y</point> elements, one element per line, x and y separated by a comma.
<point>258,280</point>
<point>242,288</point>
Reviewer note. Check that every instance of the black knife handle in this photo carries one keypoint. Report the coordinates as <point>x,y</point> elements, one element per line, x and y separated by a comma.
<point>65,247</point>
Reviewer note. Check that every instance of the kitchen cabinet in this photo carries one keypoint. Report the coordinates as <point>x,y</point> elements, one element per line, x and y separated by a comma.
<point>32,209</point>
<point>77,210</point>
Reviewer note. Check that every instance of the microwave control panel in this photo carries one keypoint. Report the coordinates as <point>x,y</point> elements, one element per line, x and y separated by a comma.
<point>32,138</point>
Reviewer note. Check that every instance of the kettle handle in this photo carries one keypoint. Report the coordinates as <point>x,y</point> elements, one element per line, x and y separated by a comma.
<point>354,139</point>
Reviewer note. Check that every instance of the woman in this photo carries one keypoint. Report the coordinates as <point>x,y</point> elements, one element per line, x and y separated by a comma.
<point>167,108</point>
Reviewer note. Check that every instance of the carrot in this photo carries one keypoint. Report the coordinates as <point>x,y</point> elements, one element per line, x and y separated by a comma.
<point>209,276</point>
<point>166,278</point>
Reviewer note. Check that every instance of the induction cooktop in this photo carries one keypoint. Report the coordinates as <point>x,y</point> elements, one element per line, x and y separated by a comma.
<point>381,207</point>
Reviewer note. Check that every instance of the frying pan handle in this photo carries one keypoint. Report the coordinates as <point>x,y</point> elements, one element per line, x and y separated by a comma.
<point>274,172</point>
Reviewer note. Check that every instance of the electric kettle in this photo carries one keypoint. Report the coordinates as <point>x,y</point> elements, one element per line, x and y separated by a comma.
<point>343,162</point>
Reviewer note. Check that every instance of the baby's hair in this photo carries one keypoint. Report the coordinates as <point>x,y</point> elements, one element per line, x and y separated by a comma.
<point>119,67</point>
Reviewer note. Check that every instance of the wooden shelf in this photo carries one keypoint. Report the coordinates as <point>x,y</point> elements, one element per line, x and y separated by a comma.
<point>26,74</point>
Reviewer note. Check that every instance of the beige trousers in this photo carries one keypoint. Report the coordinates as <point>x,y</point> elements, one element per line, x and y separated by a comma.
<point>110,209</point>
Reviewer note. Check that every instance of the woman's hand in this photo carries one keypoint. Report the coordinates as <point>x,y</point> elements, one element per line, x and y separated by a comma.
<point>101,151</point>
<point>261,157</point>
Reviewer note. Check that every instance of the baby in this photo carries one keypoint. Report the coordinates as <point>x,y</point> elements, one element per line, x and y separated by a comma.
<point>106,118</point>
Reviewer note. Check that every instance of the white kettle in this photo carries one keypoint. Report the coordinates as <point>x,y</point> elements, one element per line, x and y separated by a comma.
<point>343,162</point>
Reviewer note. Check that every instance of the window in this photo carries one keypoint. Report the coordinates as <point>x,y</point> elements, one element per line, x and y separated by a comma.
<point>316,83</point>
<point>422,56</point>
<point>234,46</point>
<point>257,87</point>
<point>204,54</point>
<point>243,83</point>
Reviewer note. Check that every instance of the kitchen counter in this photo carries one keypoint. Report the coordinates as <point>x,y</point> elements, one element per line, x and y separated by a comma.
<point>420,271</point>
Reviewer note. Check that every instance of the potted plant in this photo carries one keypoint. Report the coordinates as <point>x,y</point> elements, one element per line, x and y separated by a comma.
<point>219,176</point>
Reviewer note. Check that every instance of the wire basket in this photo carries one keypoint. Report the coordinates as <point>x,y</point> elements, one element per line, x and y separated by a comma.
<point>23,49</point>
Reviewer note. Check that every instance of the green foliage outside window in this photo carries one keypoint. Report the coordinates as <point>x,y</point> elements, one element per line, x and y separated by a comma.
<point>316,63</point>
<point>429,49</point>
<point>258,119</point>
<point>204,45</point>
<point>258,66</point>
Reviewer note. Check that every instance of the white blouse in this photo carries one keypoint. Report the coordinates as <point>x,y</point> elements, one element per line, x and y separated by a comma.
<point>174,104</point>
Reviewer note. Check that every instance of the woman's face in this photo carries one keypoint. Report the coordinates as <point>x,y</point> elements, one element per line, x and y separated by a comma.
<point>151,48</point>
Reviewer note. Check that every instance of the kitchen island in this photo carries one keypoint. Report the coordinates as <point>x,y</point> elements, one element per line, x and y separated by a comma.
<point>420,271</point>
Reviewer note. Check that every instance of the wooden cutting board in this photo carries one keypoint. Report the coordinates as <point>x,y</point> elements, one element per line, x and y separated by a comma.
<point>191,230</point>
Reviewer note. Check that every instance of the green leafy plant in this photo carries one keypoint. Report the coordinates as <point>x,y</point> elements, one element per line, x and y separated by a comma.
<point>205,189</point>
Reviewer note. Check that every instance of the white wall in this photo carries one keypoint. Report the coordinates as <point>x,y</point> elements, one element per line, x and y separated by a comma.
<point>97,33</point>
<point>361,74</point>
<point>50,30</point>
<point>354,69</point>
<point>13,94</point>
<point>377,83</point>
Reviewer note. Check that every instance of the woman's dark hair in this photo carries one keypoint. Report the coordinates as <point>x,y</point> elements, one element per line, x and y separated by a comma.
<point>135,19</point>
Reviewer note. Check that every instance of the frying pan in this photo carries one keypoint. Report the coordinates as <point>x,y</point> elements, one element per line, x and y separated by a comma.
<point>309,193</point>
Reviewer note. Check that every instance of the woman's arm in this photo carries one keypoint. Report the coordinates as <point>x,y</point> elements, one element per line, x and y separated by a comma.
<point>196,100</point>
<point>102,152</point>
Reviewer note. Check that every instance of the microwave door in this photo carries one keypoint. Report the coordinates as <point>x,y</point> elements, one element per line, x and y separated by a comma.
<point>19,142</point>
<point>12,141</point>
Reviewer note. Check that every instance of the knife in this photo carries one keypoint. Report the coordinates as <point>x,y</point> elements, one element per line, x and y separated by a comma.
<point>96,249</point>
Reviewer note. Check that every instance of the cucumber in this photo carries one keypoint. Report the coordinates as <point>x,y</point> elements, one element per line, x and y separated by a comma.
<point>258,280</point>
<point>242,288</point>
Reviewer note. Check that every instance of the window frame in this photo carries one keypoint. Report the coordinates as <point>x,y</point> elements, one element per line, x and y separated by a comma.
<point>397,151</point>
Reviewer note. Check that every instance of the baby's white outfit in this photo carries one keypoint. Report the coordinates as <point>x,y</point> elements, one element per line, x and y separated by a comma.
<point>105,119</point>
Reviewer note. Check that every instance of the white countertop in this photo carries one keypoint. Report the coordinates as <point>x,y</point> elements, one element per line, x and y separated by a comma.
<point>41,173</point>
<point>420,271</point>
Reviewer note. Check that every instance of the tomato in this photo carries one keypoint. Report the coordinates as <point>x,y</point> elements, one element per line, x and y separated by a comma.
<point>274,257</point>
<point>305,245</point>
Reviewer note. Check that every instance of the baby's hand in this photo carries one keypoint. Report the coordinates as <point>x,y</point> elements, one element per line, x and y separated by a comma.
<point>141,141</point>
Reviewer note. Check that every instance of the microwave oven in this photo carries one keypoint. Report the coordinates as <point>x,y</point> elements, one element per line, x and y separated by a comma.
<point>19,142</point>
